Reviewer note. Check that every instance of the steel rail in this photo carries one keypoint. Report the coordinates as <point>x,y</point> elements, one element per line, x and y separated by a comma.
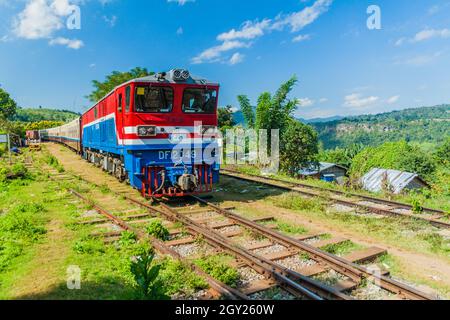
<point>285,277</point>
<point>294,186</point>
<point>348,268</point>
<point>218,286</point>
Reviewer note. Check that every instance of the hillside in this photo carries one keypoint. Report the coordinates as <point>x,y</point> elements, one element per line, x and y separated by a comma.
<point>421,125</point>
<point>36,115</point>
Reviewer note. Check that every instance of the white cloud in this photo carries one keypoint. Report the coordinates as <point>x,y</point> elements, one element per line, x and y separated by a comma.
<point>357,101</point>
<point>420,60</point>
<point>69,43</point>
<point>298,20</point>
<point>424,35</point>
<point>38,20</point>
<point>431,33</point>
<point>41,18</point>
<point>301,37</point>
<point>236,58</point>
<point>180,31</point>
<point>181,2</point>
<point>213,54</point>
<point>251,30</point>
<point>323,100</point>
<point>393,99</point>
<point>306,102</point>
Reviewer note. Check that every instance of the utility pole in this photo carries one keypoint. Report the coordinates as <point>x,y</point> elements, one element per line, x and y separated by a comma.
<point>9,148</point>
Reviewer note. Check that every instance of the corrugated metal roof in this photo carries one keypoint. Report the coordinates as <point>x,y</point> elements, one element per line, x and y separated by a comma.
<point>398,180</point>
<point>312,170</point>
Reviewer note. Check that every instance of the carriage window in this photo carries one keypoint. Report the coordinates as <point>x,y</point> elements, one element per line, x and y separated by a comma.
<point>127,98</point>
<point>95,112</point>
<point>199,100</point>
<point>119,103</point>
<point>153,99</point>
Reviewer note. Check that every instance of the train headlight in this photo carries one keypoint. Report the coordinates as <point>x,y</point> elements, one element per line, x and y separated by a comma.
<point>146,131</point>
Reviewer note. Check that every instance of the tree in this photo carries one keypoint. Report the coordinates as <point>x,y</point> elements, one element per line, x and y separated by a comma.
<point>341,156</point>
<point>442,154</point>
<point>115,79</point>
<point>225,116</point>
<point>300,147</point>
<point>393,155</point>
<point>247,111</point>
<point>8,106</point>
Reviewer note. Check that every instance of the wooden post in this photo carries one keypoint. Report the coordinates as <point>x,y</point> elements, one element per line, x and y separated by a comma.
<point>9,147</point>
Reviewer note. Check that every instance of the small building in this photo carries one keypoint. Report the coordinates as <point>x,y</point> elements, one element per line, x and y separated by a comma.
<point>329,172</point>
<point>377,180</point>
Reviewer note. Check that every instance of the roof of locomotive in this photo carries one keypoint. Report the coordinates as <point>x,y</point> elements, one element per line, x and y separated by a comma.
<point>168,79</point>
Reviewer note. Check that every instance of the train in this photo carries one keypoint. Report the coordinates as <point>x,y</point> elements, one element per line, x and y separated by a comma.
<point>159,133</point>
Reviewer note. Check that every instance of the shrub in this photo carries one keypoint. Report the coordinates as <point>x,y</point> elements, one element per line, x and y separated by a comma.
<point>156,229</point>
<point>179,278</point>
<point>89,245</point>
<point>416,206</point>
<point>127,238</point>
<point>216,268</point>
<point>393,155</point>
<point>146,274</point>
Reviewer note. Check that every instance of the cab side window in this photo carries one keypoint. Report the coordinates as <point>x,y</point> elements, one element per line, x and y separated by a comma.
<point>119,103</point>
<point>127,98</point>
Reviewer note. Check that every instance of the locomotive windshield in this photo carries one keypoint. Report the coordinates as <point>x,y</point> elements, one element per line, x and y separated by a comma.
<point>199,100</point>
<point>154,99</point>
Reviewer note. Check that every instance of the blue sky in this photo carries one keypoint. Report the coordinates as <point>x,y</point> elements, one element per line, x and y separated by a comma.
<point>248,46</point>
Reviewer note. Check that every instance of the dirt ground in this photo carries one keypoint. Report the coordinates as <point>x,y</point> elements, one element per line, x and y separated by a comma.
<point>416,266</point>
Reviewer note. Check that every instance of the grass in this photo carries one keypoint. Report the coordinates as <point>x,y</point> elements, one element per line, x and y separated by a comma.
<point>40,240</point>
<point>437,198</point>
<point>341,249</point>
<point>218,267</point>
<point>409,234</point>
<point>293,201</point>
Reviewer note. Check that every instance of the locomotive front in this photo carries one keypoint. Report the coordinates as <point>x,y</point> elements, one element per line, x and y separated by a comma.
<point>170,135</point>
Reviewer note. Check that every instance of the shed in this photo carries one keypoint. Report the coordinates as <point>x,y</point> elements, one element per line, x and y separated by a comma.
<point>326,171</point>
<point>397,181</point>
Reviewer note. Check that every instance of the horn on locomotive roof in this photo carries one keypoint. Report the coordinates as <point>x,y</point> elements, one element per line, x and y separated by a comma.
<point>180,74</point>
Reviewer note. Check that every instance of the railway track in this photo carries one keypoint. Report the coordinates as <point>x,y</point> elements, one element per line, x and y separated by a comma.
<point>437,218</point>
<point>200,219</point>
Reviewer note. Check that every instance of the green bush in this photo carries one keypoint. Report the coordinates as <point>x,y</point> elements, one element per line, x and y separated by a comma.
<point>393,155</point>
<point>218,269</point>
<point>89,245</point>
<point>156,229</point>
<point>146,274</point>
<point>19,227</point>
<point>179,278</point>
<point>127,238</point>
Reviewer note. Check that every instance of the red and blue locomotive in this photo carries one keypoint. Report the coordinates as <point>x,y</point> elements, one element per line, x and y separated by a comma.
<point>158,132</point>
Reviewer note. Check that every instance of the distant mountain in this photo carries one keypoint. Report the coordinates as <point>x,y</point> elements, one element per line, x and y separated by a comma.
<point>239,118</point>
<point>422,125</point>
<point>42,114</point>
<point>321,120</point>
